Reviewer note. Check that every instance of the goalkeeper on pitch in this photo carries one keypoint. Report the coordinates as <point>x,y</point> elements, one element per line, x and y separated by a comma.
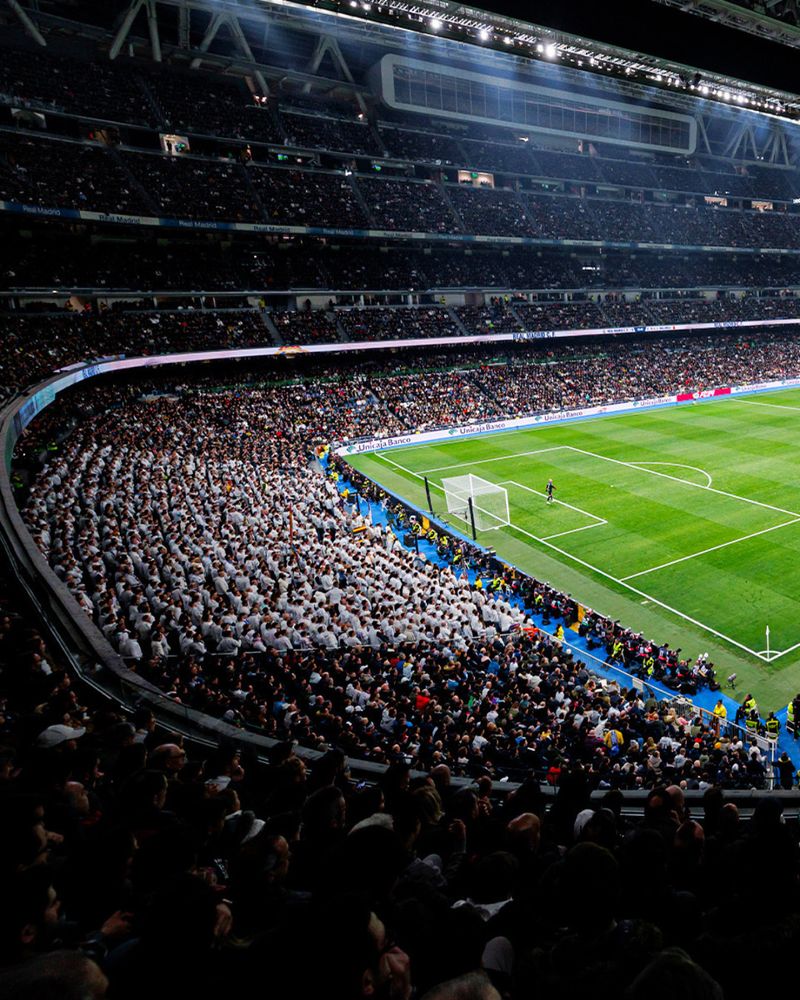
<point>549,490</point>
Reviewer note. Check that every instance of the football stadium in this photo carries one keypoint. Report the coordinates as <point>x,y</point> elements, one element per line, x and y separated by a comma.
<point>400,504</point>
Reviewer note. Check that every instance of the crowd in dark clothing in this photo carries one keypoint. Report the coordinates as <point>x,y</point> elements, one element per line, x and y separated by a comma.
<point>134,862</point>
<point>253,187</point>
<point>61,261</point>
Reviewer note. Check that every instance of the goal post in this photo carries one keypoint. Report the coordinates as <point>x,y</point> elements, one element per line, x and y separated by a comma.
<point>489,501</point>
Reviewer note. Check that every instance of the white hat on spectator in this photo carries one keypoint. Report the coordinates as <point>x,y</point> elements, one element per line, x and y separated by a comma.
<point>581,820</point>
<point>54,736</point>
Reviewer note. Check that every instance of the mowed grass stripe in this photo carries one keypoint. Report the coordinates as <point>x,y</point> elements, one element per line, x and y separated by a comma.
<point>515,526</point>
<point>736,590</point>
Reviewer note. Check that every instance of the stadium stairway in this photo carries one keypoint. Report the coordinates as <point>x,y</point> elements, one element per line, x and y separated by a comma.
<point>517,317</point>
<point>453,210</point>
<point>456,319</point>
<point>274,333</point>
<point>362,202</point>
<point>340,330</point>
<point>705,699</point>
<point>150,98</point>
<point>135,183</point>
<point>254,192</point>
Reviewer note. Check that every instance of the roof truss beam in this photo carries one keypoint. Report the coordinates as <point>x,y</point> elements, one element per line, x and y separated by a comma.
<point>27,22</point>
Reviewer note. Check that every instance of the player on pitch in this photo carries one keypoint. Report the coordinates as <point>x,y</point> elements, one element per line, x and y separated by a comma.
<point>549,490</point>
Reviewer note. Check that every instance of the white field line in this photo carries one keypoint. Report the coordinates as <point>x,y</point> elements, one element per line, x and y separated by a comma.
<point>614,579</point>
<point>512,482</point>
<point>558,534</point>
<point>684,482</point>
<point>776,655</point>
<point>774,406</point>
<point>640,593</point>
<point>484,461</point>
<point>676,465</point>
<point>713,548</point>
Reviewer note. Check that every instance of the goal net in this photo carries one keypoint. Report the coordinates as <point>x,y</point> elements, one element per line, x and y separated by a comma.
<point>489,502</point>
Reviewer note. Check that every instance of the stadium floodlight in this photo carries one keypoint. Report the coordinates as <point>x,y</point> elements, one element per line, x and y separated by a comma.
<point>550,50</point>
<point>436,24</point>
<point>484,34</point>
<point>471,498</point>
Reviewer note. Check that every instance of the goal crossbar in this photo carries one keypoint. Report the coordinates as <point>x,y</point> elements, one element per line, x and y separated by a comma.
<point>489,501</point>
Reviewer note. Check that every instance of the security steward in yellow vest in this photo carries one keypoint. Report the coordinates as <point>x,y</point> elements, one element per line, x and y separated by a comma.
<point>773,726</point>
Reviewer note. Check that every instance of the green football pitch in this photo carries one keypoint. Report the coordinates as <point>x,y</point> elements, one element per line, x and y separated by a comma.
<point>681,522</point>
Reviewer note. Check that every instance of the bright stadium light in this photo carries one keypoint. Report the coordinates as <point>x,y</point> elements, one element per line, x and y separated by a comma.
<point>436,24</point>
<point>550,50</point>
<point>483,34</point>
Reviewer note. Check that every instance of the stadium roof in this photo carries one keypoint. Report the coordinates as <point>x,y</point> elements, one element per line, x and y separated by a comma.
<point>497,30</point>
<point>153,23</point>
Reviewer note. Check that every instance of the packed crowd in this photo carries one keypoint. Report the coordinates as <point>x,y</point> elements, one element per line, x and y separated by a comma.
<point>56,263</point>
<point>317,131</point>
<point>205,532</point>
<point>408,205</point>
<point>497,316</point>
<point>70,175</point>
<point>300,198</point>
<point>34,346</point>
<point>425,147</point>
<point>191,188</point>
<point>378,323</point>
<point>208,104</point>
<point>305,326</point>
<point>199,533</point>
<point>51,174</point>
<point>91,87</point>
<point>490,212</point>
<point>134,861</point>
<point>61,260</point>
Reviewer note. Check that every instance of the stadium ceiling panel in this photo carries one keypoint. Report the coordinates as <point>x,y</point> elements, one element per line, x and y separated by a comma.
<point>773,20</point>
<point>358,32</point>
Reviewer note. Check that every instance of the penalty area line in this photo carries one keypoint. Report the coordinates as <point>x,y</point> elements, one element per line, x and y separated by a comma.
<point>640,593</point>
<point>498,458</point>
<point>713,548</point>
<point>685,482</point>
<point>608,576</point>
<point>562,503</point>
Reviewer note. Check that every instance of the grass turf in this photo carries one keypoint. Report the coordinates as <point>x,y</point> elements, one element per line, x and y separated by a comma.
<point>683,522</point>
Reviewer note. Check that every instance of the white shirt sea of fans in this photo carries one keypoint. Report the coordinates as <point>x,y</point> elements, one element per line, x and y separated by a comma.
<point>171,546</point>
